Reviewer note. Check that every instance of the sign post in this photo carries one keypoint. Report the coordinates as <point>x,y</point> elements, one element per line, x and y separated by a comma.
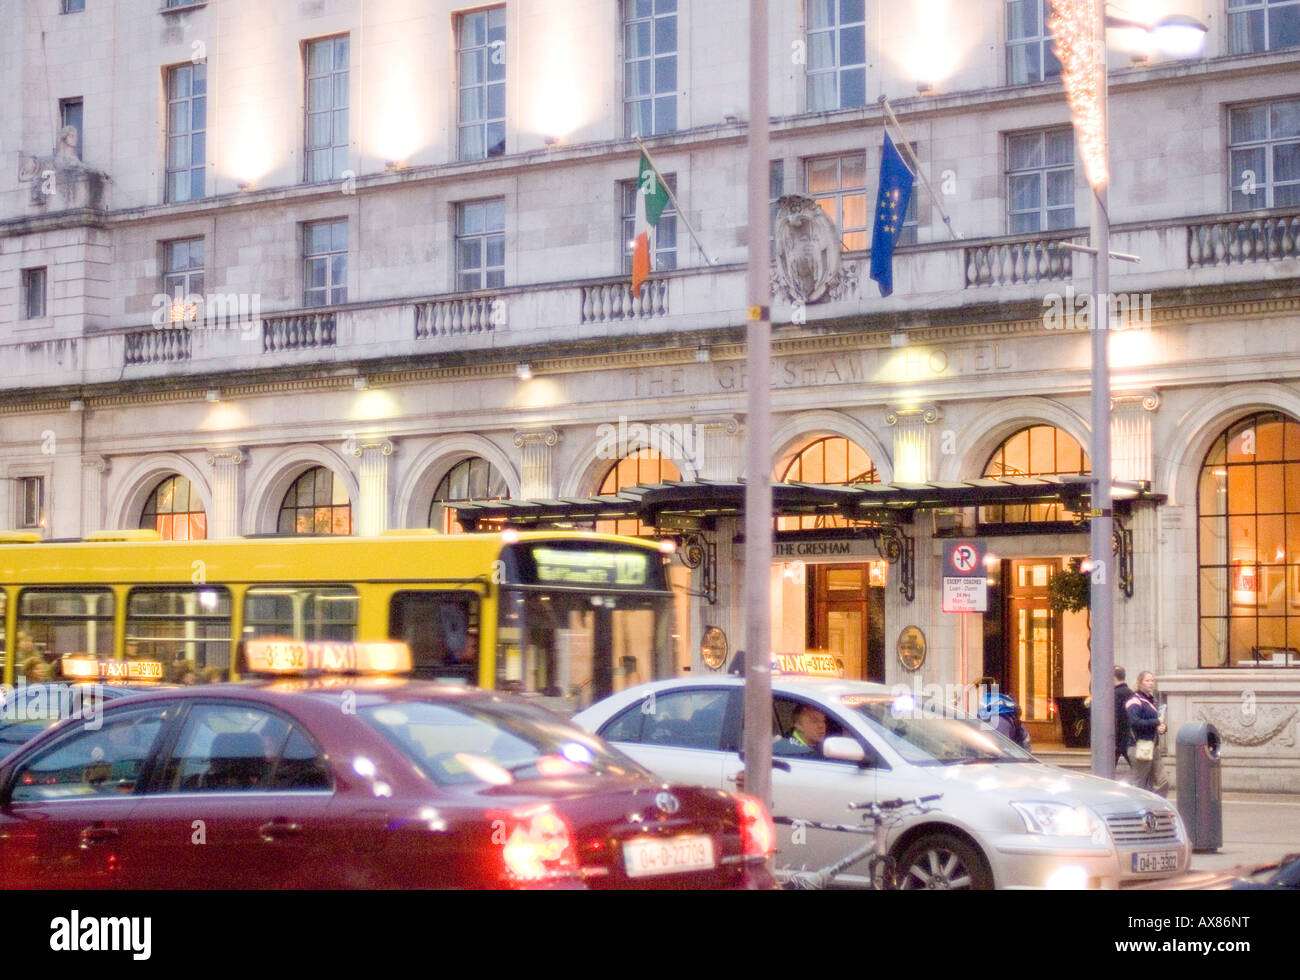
<point>965,588</point>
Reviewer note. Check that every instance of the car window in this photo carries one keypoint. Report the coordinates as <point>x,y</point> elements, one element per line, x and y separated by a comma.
<point>226,748</point>
<point>107,760</point>
<point>784,742</point>
<point>690,719</point>
<point>493,743</point>
<point>928,733</point>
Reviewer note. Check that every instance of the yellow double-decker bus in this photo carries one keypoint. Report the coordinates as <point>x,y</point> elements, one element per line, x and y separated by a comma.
<point>567,616</point>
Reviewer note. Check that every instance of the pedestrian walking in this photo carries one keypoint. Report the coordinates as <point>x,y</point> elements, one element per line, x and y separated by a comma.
<point>1123,733</point>
<point>1147,722</point>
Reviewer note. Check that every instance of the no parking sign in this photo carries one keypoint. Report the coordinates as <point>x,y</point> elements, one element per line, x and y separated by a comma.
<point>964,586</point>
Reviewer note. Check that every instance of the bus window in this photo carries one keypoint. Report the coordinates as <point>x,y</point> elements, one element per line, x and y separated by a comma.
<point>58,622</point>
<point>307,612</point>
<point>4,648</point>
<point>184,629</point>
<point>441,628</point>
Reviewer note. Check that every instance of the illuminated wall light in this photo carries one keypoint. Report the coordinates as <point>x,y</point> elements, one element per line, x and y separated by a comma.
<point>360,383</point>
<point>213,394</point>
<point>524,372</point>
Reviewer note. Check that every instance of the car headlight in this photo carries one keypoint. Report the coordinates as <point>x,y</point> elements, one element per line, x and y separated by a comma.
<point>1061,820</point>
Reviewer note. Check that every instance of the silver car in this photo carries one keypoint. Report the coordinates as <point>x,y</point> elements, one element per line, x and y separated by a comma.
<point>1005,820</point>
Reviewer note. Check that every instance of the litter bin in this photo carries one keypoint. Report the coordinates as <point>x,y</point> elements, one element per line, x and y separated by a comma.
<point>1200,797</point>
<point>1076,722</point>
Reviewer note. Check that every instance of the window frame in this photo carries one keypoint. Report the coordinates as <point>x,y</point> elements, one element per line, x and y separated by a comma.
<point>1268,144</point>
<point>335,290</point>
<point>840,193</point>
<point>1043,40</point>
<point>1236,11</point>
<point>488,276</point>
<point>192,278</point>
<point>67,6</point>
<point>837,68</point>
<point>1043,171</point>
<point>337,484</point>
<point>195,169</point>
<point>35,281</point>
<point>78,104</point>
<point>656,96</point>
<point>23,518</point>
<point>335,148</point>
<point>665,228</point>
<point>484,123</point>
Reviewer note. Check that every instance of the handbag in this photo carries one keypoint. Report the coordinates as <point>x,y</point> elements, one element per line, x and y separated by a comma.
<point>1146,750</point>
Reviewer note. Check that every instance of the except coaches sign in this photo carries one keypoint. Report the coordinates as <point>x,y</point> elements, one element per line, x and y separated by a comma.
<point>964,585</point>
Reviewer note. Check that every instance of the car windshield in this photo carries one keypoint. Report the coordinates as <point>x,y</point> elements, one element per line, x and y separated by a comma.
<point>926,733</point>
<point>494,743</point>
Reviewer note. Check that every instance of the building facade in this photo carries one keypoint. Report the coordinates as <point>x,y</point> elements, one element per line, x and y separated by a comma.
<point>333,266</point>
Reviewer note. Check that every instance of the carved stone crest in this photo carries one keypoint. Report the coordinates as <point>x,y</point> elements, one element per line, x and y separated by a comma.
<point>1254,726</point>
<point>62,175</point>
<point>807,253</point>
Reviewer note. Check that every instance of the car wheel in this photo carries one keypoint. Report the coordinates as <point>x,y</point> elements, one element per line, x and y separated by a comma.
<point>941,861</point>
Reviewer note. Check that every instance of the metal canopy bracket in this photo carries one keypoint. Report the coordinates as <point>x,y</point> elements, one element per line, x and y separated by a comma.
<point>1122,546</point>
<point>897,547</point>
<point>697,550</point>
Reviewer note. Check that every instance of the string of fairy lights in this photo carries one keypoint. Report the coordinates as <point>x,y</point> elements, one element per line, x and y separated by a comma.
<point>1083,71</point>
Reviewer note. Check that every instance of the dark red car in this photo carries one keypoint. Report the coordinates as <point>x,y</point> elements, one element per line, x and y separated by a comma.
<point>357,783</point>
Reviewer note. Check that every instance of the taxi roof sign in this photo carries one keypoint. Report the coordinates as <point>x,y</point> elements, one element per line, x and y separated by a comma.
<point>808,664</point>
<point>280,656</point>
<point>87,667</point>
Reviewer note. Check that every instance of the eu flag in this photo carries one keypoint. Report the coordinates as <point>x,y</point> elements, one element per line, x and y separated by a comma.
<point>891,205</point>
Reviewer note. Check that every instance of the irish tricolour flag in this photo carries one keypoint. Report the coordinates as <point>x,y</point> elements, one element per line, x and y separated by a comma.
<point>651,199</point>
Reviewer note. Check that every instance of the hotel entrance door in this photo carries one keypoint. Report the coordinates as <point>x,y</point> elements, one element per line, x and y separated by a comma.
<point>1034,631</point>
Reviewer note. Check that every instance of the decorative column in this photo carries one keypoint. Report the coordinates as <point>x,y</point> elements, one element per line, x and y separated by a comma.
<point>536,470</point>
<point>372,478</point>
<point>1130,434</point>
<point>223,518</point>
<point>718,447</point>
<point>93,470</point>
<point>912,442</point>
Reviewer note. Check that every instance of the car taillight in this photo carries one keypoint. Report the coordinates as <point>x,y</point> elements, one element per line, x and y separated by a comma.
<point>757,832</point>
<point>538,844</point>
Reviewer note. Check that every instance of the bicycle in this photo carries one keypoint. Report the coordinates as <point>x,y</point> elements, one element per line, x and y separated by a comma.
<point>882,869</point>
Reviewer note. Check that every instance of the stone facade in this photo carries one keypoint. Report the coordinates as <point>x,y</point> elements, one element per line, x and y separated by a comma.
<point>411,376</point>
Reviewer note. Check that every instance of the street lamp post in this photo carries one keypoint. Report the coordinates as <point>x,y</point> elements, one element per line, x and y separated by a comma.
<point>1080,30</point>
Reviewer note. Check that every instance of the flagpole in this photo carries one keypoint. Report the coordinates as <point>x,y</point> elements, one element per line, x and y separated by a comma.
<point>673,197</point>
<point>915,163</point>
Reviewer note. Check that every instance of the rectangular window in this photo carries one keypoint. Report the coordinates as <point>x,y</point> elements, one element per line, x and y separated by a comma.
<point>183,277</point>
<point>33,293</point>
<point>441,629</point>
<point>775,191</point>
<point>62,621</point>
<point>180,628</point>
<point>649,66</point>
<point>1263,25</point>
<point>481,75</point>
<point>31,502</point>
<point>325,262</point>
<point>1040,181</point>
<point>481,245</point>
<point>301,613</point>
<point>907,234</point>
<point>71,114</point>
<point>187,124</point>
<point>1264,155</point>
<point>1029,43</point>
<point>664,244</point>
<point>837,54</point>
<point>73,6</point>
<point>839,186</point>
<point>326,146</point>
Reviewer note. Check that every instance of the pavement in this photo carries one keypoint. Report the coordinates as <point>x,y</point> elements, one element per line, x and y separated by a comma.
<point>1258,829</point>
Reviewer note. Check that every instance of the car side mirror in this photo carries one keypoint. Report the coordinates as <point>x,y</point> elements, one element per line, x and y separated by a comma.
<point>843,749</point>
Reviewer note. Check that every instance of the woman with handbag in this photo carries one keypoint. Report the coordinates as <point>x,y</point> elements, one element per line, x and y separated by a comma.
<point>1147,723</point>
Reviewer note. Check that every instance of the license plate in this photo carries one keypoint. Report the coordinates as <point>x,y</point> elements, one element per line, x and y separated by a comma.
<point>1155,861</point>
<point>692,852</point>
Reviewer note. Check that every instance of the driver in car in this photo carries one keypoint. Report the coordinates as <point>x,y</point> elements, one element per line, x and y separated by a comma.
<point>808,735</point>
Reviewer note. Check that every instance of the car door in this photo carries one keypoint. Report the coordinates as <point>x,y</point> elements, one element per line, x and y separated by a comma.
<point>808,787</point>
<point>683,735</point>
<point>240,802</point>
<point>68,808</point>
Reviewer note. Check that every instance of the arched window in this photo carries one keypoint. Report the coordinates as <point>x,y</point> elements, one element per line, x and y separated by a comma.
<point>470,479</point>
<point>1040,450</point>
<point>175,511</point>
<point>643,466</point>
<point>832,460</point>
<point>317,503</point>
<point>1248,507</point>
